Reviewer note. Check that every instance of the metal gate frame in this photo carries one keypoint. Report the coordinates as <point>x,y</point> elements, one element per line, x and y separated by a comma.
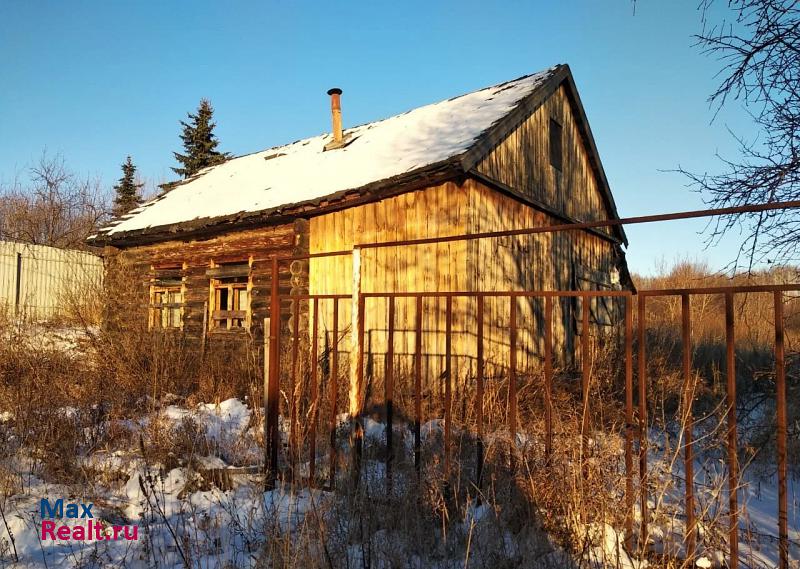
<point>634,430</point>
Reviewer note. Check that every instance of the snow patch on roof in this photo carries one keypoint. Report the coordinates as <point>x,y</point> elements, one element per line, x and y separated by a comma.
<point>302,171</point>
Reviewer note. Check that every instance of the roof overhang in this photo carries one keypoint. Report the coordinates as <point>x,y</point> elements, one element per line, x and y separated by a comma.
<point>456,167</point>
<point>431,175</point>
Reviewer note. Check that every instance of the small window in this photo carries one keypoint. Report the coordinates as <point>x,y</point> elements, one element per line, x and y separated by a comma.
<point>166,307</point>
<point>603,310</point>
<point>230,303</point>
<point>556,153</point>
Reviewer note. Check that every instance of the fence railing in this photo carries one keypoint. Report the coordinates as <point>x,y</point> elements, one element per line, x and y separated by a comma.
<point>284,358</point>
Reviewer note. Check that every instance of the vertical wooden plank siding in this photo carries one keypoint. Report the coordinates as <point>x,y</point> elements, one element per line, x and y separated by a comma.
<point>544,261</point>
<point>436,211</point>
<point>522,162</point>
<point>37,281</point>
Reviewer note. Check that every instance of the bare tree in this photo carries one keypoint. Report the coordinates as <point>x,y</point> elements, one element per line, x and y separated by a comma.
<point>53,206</point>
<point>759,52</point>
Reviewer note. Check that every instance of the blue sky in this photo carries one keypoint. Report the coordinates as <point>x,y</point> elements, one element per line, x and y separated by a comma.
<point>96,81</point>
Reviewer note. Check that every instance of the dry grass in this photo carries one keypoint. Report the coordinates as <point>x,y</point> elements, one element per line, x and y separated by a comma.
<point>66,406</point>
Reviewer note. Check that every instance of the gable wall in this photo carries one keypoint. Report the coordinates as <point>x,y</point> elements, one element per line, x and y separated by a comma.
<point>545,261</point>
<point>522,162</point>
<point>536,262</point>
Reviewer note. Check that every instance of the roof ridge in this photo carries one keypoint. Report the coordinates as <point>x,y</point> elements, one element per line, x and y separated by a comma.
<point>392,150</point>
<point>377,121</point>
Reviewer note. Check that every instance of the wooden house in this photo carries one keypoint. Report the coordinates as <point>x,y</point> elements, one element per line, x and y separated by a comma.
<point>515,155</point>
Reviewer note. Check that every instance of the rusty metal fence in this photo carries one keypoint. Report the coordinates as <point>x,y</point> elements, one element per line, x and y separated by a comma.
<point>296,363</point>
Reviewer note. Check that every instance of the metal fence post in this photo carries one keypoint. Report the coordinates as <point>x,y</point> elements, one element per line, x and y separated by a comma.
<point>688,428</point>
<point>629,422</point>
<point>733,457</point>
<point>643,434</point>
<point>18,285</point>
<point>780,404</point>
<point>268,481</point>
<point>273,382</point>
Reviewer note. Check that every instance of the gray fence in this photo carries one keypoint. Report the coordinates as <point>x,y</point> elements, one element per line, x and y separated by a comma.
<point>39,282</point>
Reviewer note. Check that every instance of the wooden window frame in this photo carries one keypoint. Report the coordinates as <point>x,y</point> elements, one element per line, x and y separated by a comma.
<point>555,136</point>
<point>233,317</point>
<point>174,309</point>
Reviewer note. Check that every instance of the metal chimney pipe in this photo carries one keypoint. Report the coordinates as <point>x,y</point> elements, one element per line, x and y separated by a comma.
<point>336,114</point>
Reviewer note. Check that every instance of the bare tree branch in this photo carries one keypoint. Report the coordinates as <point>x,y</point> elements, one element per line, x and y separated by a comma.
<point>54,207</point>
<point>759,53</point>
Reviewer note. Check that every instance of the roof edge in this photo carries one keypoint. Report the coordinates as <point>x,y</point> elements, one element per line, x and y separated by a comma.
<point>594,153</point>
<point>499,131</point>
<point>433,174</point>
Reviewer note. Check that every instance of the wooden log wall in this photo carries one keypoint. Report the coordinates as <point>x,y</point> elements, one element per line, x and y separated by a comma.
<point>193,258</point>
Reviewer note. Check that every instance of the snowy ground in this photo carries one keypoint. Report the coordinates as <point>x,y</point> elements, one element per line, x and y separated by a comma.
<point>182,519</point>
<point>758,504</point>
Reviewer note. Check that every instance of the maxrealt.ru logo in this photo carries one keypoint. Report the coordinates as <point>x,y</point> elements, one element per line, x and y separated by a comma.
<point>91,529</point>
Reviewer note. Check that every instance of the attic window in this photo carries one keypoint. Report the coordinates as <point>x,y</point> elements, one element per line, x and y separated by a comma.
<point>556,152</point>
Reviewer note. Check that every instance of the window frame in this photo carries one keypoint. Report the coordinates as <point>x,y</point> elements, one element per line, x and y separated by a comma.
<point>233,286</point>
<point>556,154</point>
<point>166,281</point>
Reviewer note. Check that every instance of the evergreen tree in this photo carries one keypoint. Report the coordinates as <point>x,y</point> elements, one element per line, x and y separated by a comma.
<point>128,192</point>
<point>199,142</point>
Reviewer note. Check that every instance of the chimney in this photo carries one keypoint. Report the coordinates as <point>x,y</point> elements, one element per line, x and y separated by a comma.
<point>336,119</point>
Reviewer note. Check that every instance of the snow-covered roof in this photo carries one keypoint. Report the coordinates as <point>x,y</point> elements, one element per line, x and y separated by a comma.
<point>303,171</point>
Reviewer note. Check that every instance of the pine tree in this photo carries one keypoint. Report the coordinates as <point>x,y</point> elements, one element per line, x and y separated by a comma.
<point>128,192</point>
<point>199,142</point>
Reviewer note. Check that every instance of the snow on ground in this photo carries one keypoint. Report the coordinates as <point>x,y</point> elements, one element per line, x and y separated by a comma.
<point>175,513</point>
<point>758,505</point>
<point>178,513</point>
<point>228,417</point>
<point>759,524</point>
<point>214,527</point>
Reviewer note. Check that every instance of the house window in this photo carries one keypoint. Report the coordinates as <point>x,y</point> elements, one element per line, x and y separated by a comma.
<point>603,310</point>
<point>166,298</point>
<point>556,151</point>
<point>166,307</point>
<point>230,299</point>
